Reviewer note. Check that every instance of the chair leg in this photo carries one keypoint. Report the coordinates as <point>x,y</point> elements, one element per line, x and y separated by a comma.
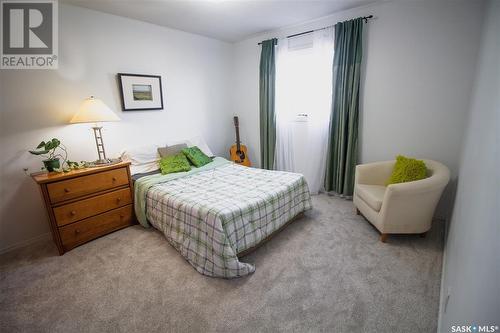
<point>357,211</point>
<point>383,237</point>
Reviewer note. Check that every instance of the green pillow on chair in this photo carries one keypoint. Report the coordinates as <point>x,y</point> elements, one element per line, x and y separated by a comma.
<point>407,170</point>
<point>196,156</point>
<point>174,163</point>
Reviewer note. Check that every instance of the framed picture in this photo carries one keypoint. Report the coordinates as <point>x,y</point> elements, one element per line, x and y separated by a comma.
<point>140,92</point>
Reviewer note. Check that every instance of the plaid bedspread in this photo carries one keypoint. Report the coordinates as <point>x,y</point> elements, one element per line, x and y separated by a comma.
<point>213,215</point>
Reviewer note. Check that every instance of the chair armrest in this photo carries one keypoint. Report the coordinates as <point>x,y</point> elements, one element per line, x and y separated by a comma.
<point>409,207</point>
<point>376,173</point>
<point>432,183</point>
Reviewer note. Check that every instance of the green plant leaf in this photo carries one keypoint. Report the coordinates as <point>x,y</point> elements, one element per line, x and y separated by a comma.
<point>38,152</point>
<point>55,143</point>
<point>40,145</point>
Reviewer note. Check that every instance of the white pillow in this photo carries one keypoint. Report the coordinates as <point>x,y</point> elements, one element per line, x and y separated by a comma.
<point>195,141</point>
<point>143,158</point>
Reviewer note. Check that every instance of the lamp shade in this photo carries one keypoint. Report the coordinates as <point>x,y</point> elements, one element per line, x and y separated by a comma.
<point>93,110</point>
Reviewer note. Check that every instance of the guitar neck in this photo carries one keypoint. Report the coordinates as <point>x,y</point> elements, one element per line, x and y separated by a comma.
<point>237,137</point>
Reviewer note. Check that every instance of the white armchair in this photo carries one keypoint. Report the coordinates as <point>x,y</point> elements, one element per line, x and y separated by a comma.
<point>405,208</point>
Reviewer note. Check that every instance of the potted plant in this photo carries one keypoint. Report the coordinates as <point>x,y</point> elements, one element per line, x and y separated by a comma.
<point>49,150</point>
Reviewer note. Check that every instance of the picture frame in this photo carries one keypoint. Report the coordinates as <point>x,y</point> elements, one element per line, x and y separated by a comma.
<point>140,92</point>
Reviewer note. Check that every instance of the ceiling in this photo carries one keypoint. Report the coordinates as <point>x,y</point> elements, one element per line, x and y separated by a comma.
<point>227,20</point>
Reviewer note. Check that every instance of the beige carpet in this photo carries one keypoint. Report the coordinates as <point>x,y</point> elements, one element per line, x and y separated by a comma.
<point>326,272</point>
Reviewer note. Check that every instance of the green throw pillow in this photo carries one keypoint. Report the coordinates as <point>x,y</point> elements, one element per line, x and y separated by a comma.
<point>407,170</point>
<point>174,163</point>
<point>196,156</point>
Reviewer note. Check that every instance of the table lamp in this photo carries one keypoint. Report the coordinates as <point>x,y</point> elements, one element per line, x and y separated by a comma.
<point>93,110</point>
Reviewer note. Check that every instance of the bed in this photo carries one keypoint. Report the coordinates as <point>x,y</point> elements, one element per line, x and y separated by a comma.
<point>213,214</point>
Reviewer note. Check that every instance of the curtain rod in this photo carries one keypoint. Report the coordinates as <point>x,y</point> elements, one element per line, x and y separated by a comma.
<point>310,31</point>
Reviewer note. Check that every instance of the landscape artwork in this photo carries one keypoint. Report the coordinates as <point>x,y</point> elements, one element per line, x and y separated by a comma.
<point>140,92</point>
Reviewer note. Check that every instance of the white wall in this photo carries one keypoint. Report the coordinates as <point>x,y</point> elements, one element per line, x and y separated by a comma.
<point>419,58</point>
<point>37,104</point>
<point>472,265</point>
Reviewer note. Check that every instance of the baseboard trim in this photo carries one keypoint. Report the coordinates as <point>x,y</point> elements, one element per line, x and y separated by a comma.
<point>28,242</point>
<point>442,293</point>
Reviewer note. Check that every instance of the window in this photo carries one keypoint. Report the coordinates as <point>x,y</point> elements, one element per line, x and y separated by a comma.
<point>303,104</point>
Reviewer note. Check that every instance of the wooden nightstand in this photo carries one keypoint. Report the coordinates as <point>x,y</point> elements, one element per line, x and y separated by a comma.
<point>88,203</point>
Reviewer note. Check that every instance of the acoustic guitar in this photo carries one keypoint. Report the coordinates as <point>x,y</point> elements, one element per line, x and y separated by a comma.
<point>238,151</point>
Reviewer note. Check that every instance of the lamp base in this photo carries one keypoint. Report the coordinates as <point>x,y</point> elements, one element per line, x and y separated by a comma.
<point>104,162</point>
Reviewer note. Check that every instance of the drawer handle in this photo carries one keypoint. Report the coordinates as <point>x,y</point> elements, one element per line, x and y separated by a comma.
<point>73,213</point>
<point>66,190</point>
<point>114,179</point>
<point>77,231</point>
<point>122,216</point>
<point>118,200</point>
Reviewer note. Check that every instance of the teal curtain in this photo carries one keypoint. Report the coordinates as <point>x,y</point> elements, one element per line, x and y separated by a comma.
<point>267,114</point>
<point>343,135</point>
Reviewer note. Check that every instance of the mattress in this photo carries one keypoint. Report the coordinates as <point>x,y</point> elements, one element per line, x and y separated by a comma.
<point>211,215</point>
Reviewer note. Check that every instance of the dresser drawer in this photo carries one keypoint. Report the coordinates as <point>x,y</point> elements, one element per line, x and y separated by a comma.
<point>82,209</point>
<point>80,232</point>
<point>76,187</point>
